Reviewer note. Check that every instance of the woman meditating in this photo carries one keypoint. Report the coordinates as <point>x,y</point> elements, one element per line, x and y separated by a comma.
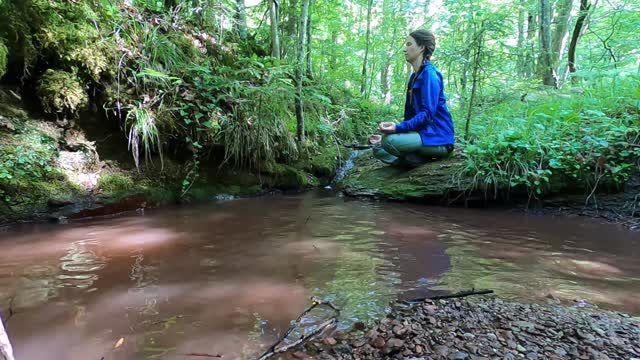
<point>427,130</point>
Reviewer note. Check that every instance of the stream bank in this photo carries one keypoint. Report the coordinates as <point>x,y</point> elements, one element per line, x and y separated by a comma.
<point>488,328</point>
<point>52,172</point>
<point>445,183</point>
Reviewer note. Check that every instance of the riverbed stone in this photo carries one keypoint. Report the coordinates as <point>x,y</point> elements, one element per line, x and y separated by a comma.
<point>487,327</point>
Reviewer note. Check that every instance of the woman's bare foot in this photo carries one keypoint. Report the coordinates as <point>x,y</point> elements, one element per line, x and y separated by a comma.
<point>374,139</point>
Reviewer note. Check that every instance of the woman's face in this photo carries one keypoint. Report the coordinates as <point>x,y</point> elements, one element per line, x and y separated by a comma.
<point>411,50</point>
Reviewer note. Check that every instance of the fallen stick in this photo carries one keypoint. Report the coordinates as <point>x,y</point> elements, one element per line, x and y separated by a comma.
<point>274,351</point>
<point>452,296</point>
<point>354,146</point>
<point>204,355</point>
<point>316,302</point>
<point>6,351</point>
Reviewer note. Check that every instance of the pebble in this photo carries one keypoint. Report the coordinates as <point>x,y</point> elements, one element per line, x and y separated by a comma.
<point>490,328</point>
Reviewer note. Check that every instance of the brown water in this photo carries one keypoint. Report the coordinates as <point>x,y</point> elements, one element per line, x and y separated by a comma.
<point>227,277</point>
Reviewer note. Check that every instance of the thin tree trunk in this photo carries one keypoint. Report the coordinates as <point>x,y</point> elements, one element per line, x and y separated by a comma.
<point>275,39</point>
<point>6,351</point>
<point>300,73</point>
<point>532,30</point>
<point>333,57</point>
<point>577,30</point>
<point>464,76</point>
<point>241,19</point>
<point>290,30</point>
<point>366,50</point>
<point>544,62</point>
<point>308,55</point>
<point>385,72</point>
<point>292,19</point>
<point>559,38</point>
<point>474,79</point>
<point>520,68</point>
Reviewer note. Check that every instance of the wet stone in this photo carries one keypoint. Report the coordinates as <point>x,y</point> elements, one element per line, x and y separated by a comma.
<point>441,350</point>
<point>494,329</point>
<point>458,355</point>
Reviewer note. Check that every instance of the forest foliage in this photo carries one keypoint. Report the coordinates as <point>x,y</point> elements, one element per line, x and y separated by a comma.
<point>545,94</point>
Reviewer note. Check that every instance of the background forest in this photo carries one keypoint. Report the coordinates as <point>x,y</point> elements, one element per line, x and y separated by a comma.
<point>545,94</point>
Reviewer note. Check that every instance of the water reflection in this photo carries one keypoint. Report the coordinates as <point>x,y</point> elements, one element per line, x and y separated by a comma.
<point>227,278</point>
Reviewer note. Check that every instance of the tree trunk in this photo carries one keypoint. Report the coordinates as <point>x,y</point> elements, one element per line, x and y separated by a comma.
<point>289,39</point>
<point>474,78</point>
<point>467,43</point>
<point>532,30</point>
<point>544,62</point>
<point>559,38</point>
<point>363,86</point>
<point>275,39</point>
<point>308,34</point>
<point>577,30</point>
<point>6,351</point>
<point>334,58</point>
<point>292,19</point>
<point>390,10</point>
<point>300,73</point>
<point>520,68</point>
<point>241,19</point>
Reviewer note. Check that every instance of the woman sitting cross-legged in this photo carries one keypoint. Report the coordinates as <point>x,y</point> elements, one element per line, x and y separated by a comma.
<point>427,130</point>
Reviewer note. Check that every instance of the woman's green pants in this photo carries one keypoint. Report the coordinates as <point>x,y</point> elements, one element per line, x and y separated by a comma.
<point>406,150</point>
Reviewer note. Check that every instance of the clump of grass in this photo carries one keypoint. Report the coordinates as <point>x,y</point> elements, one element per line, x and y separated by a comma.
<point>143,133</point>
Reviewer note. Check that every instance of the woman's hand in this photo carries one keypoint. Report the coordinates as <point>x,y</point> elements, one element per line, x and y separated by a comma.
<point>374,139</point>
<point>387,127</point>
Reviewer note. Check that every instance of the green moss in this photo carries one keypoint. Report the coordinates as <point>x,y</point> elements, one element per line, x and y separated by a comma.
<point>325,163</point>
<point>62,92</point>
<point>4,55</point>
<point>116,184</point>
<point>28,197</point>
<point>287,177</point>
<point>371,177</point>
<point>92,60</point>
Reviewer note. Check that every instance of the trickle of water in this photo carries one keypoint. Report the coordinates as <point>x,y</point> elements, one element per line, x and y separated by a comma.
<point>348,165</point>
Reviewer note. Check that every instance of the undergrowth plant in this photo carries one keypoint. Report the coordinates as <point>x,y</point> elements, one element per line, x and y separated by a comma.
<point>559,140</point>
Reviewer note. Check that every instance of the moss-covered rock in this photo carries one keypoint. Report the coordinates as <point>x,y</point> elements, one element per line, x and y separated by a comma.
<point>433,181</point>
<point>29,177</point>
<point>61,92</point>
<point>286,177</point>
<point>325,163</point>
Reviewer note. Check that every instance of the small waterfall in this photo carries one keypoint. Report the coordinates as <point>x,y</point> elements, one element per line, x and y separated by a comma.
<point>348,165</point>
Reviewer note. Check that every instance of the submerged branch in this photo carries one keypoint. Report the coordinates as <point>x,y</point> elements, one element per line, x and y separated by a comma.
<point>452,296</point>
<point>273,350</point>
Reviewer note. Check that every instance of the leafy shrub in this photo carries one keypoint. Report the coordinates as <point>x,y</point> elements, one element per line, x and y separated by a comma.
<point>557,141</point>
<point>25,163</point>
